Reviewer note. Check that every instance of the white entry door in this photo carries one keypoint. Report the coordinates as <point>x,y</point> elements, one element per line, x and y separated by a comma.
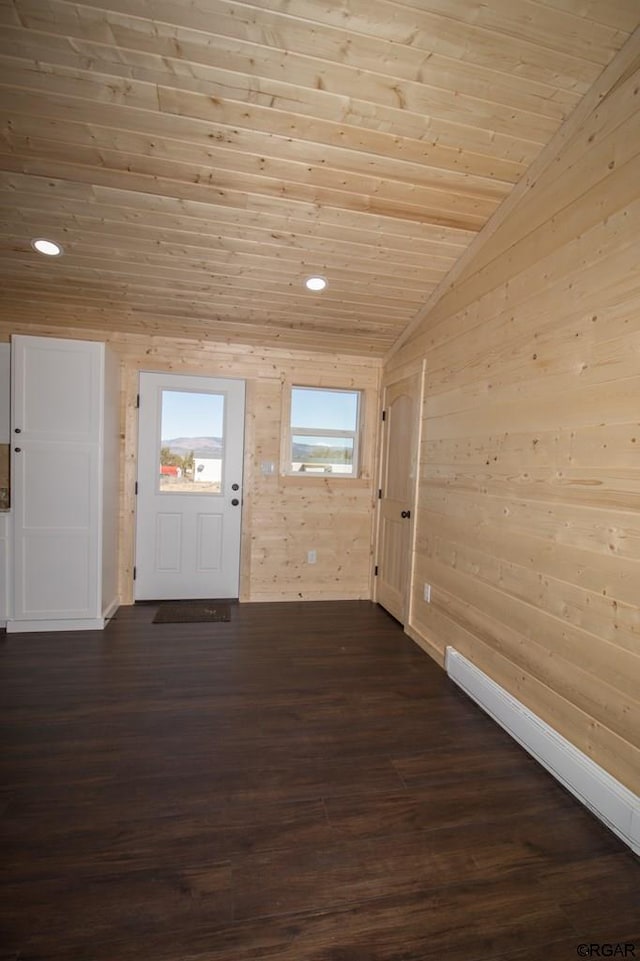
<point>189,505</point>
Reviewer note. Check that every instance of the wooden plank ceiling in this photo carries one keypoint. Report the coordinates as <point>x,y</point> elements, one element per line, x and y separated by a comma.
<point>198,160</point>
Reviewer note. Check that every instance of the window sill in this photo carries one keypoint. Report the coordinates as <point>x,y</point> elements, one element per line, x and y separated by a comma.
<point>324,480</point>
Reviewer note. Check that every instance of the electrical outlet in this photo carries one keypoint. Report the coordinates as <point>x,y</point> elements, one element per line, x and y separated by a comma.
<point>312,557</point>
<point>427,593</point>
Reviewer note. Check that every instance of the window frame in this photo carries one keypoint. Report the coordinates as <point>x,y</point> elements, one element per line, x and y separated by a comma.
<point>290,430</point>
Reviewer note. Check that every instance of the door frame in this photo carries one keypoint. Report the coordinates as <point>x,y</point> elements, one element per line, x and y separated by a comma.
<point>132,441</point>
<point>418,367</point>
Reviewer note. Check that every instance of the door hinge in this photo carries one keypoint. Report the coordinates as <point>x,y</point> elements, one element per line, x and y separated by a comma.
<point>136,489</point>
<point>137,400</point>
<point>135,573</point>
<point>384,415</point>
<point>379,493</point>
<point>375,571</point>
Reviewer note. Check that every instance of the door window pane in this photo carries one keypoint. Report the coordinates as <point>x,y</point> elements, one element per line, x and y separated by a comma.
<point>191,457</point>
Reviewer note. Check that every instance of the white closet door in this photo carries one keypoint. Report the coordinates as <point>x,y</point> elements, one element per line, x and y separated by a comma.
<point>56,477</point>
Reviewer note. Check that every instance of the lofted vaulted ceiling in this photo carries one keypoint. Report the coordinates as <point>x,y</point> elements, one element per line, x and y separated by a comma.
<point>198,159</point>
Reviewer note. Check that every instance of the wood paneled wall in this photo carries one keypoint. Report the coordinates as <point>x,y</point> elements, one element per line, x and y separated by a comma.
<point>528,526</point>
<point>283,517</point>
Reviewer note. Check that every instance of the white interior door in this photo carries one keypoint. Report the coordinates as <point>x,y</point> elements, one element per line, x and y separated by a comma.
<point>189,508</point>
<point>398,490</point>
<point>56,477</point>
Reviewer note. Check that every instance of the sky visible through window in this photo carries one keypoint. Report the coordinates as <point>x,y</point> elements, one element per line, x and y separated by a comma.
<point>198,414</point>
<point>191,414</point>
<point>324,409</point>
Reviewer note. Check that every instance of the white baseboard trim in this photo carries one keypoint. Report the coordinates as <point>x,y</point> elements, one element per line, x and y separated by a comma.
<point>64,624</point>
<point>607,798</point>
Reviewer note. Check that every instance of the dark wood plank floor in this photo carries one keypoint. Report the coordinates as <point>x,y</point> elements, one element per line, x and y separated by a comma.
<point>300,784</point>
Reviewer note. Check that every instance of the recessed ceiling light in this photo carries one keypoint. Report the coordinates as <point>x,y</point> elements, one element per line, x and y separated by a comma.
<point>315,283</point>
<point>48,247</point>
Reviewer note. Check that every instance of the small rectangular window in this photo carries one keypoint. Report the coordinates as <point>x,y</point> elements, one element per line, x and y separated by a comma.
<point>324,431</point>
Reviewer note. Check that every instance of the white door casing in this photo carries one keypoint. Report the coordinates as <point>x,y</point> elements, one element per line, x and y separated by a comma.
<point>188,526</point>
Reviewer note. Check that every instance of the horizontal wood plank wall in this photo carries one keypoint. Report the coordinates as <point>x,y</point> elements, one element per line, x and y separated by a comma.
<point>528,526</point>
<point>283,517</point>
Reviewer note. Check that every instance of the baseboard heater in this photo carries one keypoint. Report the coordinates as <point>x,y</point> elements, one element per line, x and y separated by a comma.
<point>607,798</point>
